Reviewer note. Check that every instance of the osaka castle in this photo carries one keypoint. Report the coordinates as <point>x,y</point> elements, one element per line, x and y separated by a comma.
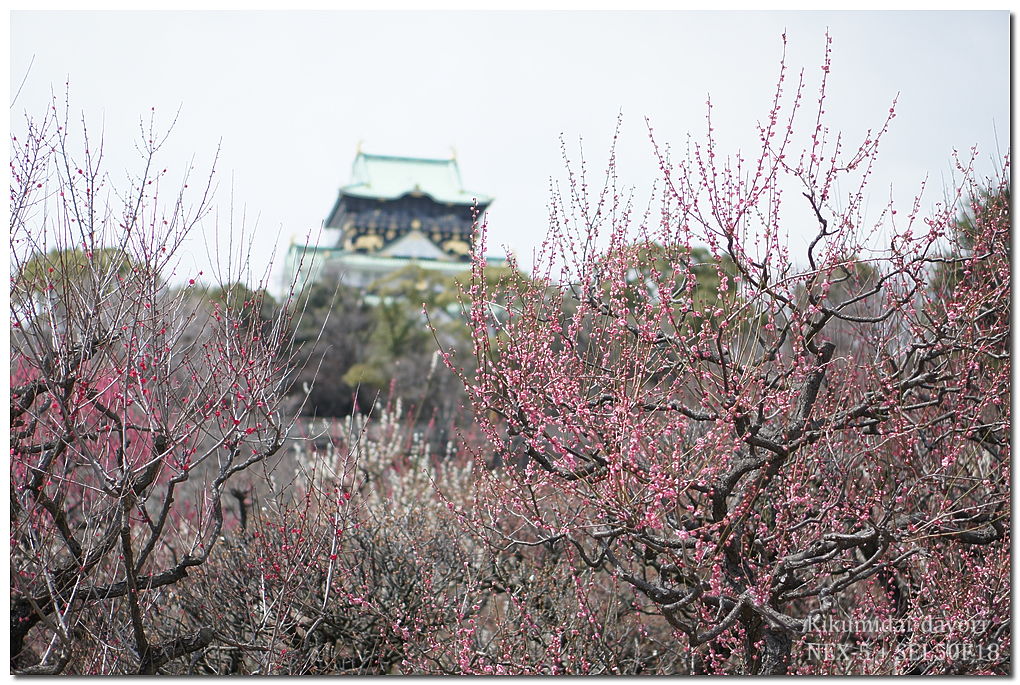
<point>394,212</point>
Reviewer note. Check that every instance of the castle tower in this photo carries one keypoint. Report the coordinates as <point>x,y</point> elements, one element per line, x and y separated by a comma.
<point>395,211</point>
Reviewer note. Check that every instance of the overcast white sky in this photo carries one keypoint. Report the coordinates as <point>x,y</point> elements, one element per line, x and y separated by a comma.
<point>290,94</point>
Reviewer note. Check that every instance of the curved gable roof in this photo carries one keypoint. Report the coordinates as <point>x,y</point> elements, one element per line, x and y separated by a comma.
<point>386,177</point>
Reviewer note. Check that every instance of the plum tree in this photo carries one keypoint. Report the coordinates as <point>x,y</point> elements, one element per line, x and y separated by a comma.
<point>131,410</point>
<point>822,440</point>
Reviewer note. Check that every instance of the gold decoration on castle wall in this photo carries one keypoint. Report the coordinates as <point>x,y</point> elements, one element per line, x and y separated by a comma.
<point>456,247</point>
<point>369,242</point>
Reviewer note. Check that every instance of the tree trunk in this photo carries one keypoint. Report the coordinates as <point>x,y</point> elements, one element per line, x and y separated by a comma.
<point>768,648</point>
<point>775,659</point>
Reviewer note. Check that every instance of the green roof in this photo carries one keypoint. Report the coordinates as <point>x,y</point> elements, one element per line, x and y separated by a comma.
<point>385,177</point>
